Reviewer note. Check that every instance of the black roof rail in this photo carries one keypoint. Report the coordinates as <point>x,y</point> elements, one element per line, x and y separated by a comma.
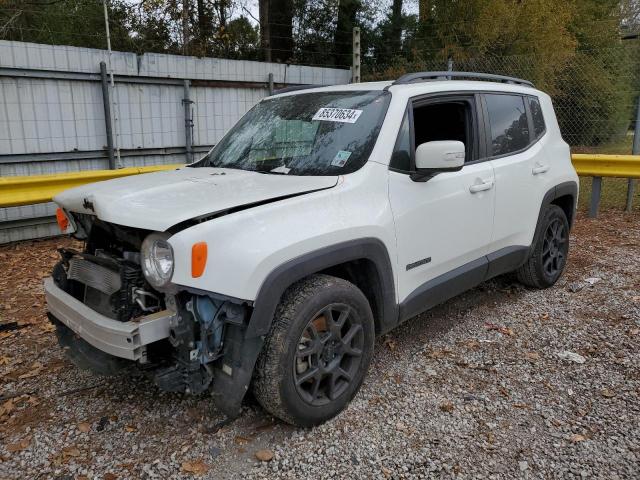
<point>412,77</point>
<point>295,88</point>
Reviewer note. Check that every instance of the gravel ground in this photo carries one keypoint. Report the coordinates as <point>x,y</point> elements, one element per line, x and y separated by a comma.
<point>502,382</point>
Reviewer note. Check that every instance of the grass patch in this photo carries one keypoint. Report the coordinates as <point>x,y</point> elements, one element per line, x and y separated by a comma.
<point>614,193</point>
<point>614,190</point>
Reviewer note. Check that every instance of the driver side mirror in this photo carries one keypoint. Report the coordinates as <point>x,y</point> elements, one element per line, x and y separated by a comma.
<point>436,157</point>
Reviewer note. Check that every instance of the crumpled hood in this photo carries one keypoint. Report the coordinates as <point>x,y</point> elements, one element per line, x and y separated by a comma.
<point>160,200</point>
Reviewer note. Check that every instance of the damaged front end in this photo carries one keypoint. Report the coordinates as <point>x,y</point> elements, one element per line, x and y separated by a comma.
<point>111,313</point>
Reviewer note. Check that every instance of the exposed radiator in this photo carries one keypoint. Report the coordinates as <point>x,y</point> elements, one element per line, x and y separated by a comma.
<point>93,275</point>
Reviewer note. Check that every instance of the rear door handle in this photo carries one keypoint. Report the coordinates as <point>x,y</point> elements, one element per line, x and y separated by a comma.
<point>481,187</point>
<point>538,169</point>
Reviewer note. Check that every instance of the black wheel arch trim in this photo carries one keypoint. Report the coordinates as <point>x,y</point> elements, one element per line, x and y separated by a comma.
<point>304,265</point>
<point>242,346</point>
<point>561,190</point>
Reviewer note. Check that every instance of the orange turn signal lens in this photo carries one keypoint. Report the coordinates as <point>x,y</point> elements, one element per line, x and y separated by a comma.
<point>63,221</point>
<point>198,259</point>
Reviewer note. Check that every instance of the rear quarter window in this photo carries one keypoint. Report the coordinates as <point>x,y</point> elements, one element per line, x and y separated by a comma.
<point>508,123</point>
<point>537,117</point>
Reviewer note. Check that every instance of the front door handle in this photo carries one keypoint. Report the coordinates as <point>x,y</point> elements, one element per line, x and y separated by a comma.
<point>538,169</point>
<point>481,187</point>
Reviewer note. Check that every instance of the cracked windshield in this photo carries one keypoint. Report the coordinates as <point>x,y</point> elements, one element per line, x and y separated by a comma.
<point>328,133</point>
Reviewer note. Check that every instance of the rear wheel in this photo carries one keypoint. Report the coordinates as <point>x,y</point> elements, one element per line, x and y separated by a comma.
<point>317,352</point>
<point>549,256</point>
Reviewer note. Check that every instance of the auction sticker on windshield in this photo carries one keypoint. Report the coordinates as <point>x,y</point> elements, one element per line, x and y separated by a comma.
<point>340,159</point>
<point>344,115</point>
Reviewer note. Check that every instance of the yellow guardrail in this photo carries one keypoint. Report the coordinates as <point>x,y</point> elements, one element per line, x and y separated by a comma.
<point>623,166</point>
<point>16,191</point>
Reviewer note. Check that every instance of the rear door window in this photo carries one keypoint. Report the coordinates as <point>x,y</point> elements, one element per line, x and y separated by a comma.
<point>508,123</point>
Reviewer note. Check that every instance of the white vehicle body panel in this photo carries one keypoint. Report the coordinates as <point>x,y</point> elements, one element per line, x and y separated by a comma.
<point>408,238</point>
<point>439,218</point>
<point>523,179</point>
<point>157,201</point>
<point>245,247</point>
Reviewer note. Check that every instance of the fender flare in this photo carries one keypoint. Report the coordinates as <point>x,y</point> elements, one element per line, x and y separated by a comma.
<point>244,348</point>
<point>297,268</point>
<point>560,190</point>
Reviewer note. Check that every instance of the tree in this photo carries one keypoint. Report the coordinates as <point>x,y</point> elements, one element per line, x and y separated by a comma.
<point>241,40</point>
<point>423,10</point>
<point>265,34</point>
<point>347,10</point>
<point>595,91</point>
<point>396,25</point>
<point>67,22</point>
<point>276,25</point>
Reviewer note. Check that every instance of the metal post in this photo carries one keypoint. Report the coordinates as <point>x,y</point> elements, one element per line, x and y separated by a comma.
<point>271,84</point>
<point>113,86</point>
<point>107,114</point>
<point>630,191</point>
<point>596,189</point>
<point>636,151</point>
<point>188,122</point>
<point>449,66</point>
<point>355,68</point>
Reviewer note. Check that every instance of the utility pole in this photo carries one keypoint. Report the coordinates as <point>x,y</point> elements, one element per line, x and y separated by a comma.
<point>355,64</point>
<point>113,88</point>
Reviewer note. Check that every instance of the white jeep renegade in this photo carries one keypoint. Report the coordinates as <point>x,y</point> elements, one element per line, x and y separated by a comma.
<point>326,216</point>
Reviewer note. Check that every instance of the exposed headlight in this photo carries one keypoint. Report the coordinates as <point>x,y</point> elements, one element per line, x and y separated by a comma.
<point>157,259</point>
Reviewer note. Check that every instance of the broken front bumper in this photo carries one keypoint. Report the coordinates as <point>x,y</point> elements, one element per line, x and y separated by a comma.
<point>121,339</point>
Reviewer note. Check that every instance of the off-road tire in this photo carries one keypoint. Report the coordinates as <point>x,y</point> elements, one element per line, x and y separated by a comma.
<point>274,383</point>
<point>533,272</point>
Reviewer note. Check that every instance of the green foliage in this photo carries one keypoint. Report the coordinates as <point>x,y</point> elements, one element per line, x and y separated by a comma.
<point>596,89</point>
<point>239,40</point>
<point>148,26</point>
<point>571,49</point>
<point>66,22</point>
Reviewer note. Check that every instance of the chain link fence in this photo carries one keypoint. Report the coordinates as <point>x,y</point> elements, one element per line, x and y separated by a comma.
<point>594,92</point>
<point>595,95</point>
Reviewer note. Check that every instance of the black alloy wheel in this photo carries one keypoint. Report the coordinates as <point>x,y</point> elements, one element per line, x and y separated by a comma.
<point>554,248</point>
<point>329,355</point>
<point>548,255</point>
<point>317,352</point>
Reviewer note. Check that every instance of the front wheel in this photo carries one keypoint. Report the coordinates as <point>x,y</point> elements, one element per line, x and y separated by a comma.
<point>550,250</point>
<point>317,352</point>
